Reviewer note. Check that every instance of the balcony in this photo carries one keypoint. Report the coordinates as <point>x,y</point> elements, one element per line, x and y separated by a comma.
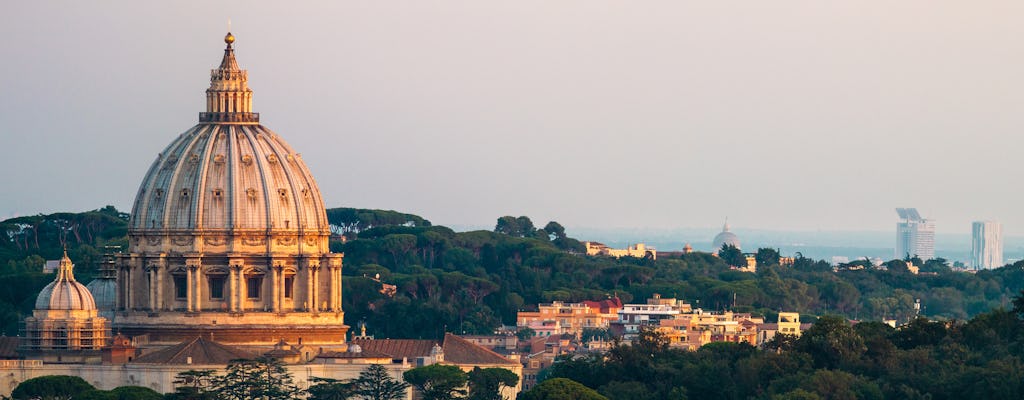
<point>243,117</point>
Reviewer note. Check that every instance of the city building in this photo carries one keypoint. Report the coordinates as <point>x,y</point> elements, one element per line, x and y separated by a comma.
<point>986,245</point>
<point>558,318</point>
<point>915,236</point>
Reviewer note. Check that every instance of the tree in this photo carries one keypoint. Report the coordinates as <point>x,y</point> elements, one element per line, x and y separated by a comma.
<point>525,333</point>
<point>374,383</point>
<point>732,255</point>
<point>767,256</point>
<point>262,378</point>
<point>437,382</point>
<point>487,383</point>
<point>561,389</point>
<point>51,387</point>
<point>330,389</point>
<point>193,385</point>
<point>555,229</point>
<point>831,342</point>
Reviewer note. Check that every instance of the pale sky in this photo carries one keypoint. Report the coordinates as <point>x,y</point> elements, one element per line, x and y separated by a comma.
<point>788,115</point>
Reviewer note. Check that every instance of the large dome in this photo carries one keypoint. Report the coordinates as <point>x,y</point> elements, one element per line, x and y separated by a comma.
<point>228,173</point>
<point>229,177</point>
<point>64,293</point>
<point>229,234</point>
<point>725,237</point>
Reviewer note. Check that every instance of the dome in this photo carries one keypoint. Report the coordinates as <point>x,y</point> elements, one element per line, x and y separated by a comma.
<point>725,237</point>
<point>104,293</point>
<point>229,224</point>
<point>227,175</point>
<point>64,293</point>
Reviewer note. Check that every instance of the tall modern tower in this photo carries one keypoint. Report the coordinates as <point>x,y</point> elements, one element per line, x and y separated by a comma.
<point>915,236</point>
<point>986,245</point>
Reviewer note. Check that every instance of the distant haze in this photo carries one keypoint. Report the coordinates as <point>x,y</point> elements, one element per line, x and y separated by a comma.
<point>783,115</point>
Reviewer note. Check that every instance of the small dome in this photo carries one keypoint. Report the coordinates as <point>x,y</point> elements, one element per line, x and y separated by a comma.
<point>725,237</point>
<point>64,293</point>
<point>104,292</point>
<point>355,349</point>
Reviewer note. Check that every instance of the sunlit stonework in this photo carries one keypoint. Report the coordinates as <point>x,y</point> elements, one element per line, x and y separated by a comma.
<point>229,235</point>
<point>65,325</point>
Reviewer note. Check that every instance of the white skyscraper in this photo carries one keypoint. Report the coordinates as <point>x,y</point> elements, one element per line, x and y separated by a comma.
<point>915,236</point>
<point>986,245</point>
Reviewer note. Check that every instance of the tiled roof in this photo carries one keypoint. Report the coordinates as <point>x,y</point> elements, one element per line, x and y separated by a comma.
<point>9,348</point>
<point>456,350</point>
<point>397,348</point>
<point>461,351</point>
<point>350,354</point>
<point>201,351</point>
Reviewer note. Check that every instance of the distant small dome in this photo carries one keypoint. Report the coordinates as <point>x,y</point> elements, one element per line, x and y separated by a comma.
<point>725,237</point>
<point>104,293</point>
<point>64,293</point>
<point>355,349</point>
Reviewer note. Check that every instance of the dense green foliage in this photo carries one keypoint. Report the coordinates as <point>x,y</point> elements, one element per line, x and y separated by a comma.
<point>437,382</point>
<point>375,383</point>
<point>260,378</point>
<point>51,387</point>
<point>561,389</point>
<point>977,359</point>
<point>475,281</point>
<point>487,383</point>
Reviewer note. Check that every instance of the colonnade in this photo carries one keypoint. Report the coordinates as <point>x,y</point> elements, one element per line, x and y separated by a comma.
<point>157,289</point>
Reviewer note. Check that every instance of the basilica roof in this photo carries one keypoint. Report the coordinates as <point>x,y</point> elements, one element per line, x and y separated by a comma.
<point>228,172</point>
<point>197,350</point>
<point>64,293</point>
<point>456,350</point>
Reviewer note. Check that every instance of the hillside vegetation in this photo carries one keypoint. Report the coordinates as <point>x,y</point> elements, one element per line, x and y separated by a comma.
<point>475,281</point>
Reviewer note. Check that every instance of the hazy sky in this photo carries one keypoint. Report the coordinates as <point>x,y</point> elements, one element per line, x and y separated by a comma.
<point>797,115</point>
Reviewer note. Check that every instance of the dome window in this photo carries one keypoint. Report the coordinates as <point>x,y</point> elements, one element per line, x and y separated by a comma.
<point>247,159</point>
<point>159,193</point>
<point>184,192</point>
<point>217,193</point>
<point>272,159</point>
<point>282,192</point>
<point>251,193</point>
<point>218,159</point>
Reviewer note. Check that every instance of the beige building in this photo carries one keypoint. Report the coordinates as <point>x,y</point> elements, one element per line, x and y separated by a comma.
<point>638,250</point>
<point>558,317</point>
